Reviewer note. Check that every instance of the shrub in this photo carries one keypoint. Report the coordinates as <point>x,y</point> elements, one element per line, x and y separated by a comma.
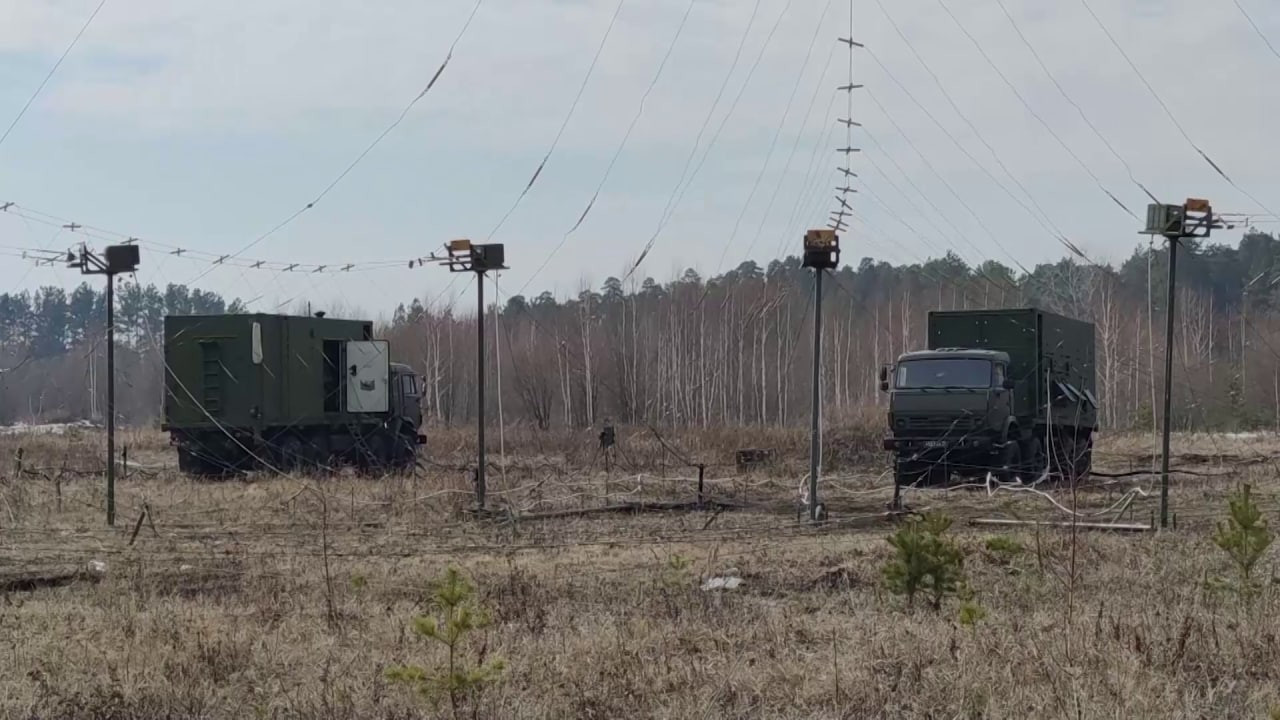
<point>1005,548</point>
<point>971,613</point>
<point>924,560</point>
<point>459,679</point>
<point>1244,537</point>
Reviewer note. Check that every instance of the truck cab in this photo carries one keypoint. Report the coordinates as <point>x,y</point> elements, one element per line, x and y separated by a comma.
<point>406,409</point>
<point>952,402</point>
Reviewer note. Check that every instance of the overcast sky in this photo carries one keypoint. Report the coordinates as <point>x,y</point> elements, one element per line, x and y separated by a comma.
<point>203,125</point>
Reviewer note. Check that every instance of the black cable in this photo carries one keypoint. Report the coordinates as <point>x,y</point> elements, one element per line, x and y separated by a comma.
<point>1256,29</point>
<point>773,143</point>
<point>1071,101</point>
<point>618,151</point>
<point>48,76</point>
<point>733,106</point>
<point>573,106</point>
<point>1167,111</point>
<point>965,151</point>
<point>946,94</point>
<point>1018,94</point>
<point>369,148</point>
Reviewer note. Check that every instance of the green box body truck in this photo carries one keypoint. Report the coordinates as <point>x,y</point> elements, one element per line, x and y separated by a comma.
<point>1010,392</point>
<point>246,392</point>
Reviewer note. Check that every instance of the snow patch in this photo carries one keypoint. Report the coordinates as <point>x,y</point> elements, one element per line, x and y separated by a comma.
<point>46,429</point>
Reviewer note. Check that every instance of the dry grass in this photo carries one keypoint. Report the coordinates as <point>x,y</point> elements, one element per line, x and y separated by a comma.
<point>225,609</point>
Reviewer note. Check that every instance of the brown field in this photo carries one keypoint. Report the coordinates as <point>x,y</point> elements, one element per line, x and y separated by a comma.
<point>290,596</point>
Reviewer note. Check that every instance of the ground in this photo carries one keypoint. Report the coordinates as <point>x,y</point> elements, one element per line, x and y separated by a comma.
<point>291,596</point>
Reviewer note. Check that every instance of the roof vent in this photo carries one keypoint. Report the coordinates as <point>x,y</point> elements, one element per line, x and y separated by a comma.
<point>320,313</point>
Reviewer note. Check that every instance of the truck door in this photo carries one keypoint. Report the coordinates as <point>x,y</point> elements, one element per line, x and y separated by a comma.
<point>368,376</point>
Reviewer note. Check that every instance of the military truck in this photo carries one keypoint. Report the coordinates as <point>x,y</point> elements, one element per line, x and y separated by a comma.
<point>1008,392</point>
<point>286,392</point>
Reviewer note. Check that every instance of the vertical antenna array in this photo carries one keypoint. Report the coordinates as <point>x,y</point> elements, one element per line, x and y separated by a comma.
<point>843,209</point>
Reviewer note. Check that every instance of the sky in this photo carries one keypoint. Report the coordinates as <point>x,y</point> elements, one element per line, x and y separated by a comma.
<point>203,126</point>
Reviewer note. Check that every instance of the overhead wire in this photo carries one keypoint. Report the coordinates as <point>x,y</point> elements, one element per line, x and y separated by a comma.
<point>1253,24</point>
<point>807,183</point>
<point>773,143</point>
<point>1168,112</point>
<point>49,76</point>
<point>669,207</point>
<point>947,184</point>
<point>678,192</point>
<point>626,136</point>
<point>1032,111</point>
<point>1035,209</point>
<point>764,165</point>
<point>202,256</point>
<point>364,153</point>
<point>926,215</point>
<point>1044,222</point>
<point>1031,48</point>
<point>786,167</point>
<point>573,106</point>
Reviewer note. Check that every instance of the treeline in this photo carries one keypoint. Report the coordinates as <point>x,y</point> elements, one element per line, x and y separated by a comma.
<point>736,349</point>
<point>52,359</point>
<point>49,322</point>
<point>732,350</point>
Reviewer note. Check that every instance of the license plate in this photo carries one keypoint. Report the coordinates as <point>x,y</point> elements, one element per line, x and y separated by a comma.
<point>934,443</point>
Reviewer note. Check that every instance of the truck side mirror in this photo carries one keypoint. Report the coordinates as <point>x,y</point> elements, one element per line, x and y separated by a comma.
<point>884,373</point>
<point>1008,384</point>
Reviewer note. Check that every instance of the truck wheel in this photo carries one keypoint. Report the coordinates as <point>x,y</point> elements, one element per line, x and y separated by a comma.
<point>405,454</point>
<point>196,465</point>
<point>191,464</point>
<point>292,455</point>
<point>907,472</point>
<point>1060,454</point>
<point>1010,462</point>
<point>1082,459</point>
<point>938,474</point>
<point>373,455</point>
<point>1035,461</point>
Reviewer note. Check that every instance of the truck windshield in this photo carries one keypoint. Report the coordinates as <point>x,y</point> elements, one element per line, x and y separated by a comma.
<point>944,373</point>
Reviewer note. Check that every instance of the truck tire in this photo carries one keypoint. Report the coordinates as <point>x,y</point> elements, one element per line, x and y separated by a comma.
<point>908,472</point>
<point>196,465</point>
<point>372,454</point>
<point>1010,462</point>
<point>404,456</point>
<point>292,455</point>
<point>1083,459</point>
<point>1073,456</point>
<point>189,463</point>
<point>1034,461</point>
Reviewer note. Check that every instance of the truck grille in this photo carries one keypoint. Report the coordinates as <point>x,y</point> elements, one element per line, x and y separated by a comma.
<point>928,425</point>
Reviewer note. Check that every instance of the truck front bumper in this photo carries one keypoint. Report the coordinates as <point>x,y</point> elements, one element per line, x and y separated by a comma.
<point>921,445</point>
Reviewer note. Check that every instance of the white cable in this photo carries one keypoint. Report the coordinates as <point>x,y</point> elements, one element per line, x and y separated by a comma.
<point>497,348</point>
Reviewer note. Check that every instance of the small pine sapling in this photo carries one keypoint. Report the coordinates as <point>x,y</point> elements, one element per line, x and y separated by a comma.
<point>460,679</point>
<point>971,613</point>
<point>1244,537</point>
<point>924,560</point>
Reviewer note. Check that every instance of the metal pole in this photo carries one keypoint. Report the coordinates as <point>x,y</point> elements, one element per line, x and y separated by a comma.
<point>480,484</point>
<point>1168,384</point>
<point>111,400</point>
<point>815,438</point>
<point>701,497</point>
